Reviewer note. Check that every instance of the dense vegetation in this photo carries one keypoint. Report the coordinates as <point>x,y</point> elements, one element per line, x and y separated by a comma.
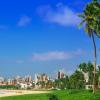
<point>77,79</point>
<point>9,87</point>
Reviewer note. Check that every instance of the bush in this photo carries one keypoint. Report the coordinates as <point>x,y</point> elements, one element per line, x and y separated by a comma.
<point>90,90</point>
<point>52,97</point>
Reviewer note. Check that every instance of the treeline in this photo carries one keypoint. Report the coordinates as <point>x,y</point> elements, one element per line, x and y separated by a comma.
<point>80,78</point>
<point>9,87</point>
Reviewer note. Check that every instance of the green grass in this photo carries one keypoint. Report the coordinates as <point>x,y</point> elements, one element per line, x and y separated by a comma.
<point>27,97</point>
<point>77,95</point>
<point>62,95</point>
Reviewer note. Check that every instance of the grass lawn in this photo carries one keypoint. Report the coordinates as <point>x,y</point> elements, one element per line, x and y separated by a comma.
<point>62,95</point>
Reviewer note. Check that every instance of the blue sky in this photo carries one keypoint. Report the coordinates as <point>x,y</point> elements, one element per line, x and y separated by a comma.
<point>42,36</point>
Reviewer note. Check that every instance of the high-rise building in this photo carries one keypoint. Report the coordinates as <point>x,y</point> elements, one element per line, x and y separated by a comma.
<point>41,78</point>
<point>60,74</point>
<point>28,78</point>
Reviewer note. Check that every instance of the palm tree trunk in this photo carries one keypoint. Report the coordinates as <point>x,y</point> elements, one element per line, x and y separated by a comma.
<point>95,61</point>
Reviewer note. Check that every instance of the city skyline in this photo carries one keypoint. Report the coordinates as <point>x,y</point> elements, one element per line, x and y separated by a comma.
<point>42,37</point>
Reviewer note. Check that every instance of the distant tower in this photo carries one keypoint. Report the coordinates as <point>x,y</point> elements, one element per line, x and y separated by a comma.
<point>58,74</point>
<point>36,78</point>
<point>61,74</point>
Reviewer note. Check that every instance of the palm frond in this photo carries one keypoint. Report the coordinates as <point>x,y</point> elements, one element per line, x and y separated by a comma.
<point>88,30</point>
<point>80,25</point>
<point>81,16</point>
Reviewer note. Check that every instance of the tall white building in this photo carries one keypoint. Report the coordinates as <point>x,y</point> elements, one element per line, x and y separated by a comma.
<point>41,78</point>
<point>28,78</point>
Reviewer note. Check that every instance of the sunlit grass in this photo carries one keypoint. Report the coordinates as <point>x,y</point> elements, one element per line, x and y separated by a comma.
<point>62,95</point>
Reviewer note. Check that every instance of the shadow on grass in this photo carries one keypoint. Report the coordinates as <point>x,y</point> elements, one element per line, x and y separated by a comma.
<point>52,97</point>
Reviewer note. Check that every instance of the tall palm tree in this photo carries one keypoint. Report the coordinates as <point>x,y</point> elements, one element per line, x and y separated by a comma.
<point>91,18</point>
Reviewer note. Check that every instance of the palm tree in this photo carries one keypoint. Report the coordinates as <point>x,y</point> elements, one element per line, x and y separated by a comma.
<point>91,18</point>
<point>87,70</point>
<point>83,67</point>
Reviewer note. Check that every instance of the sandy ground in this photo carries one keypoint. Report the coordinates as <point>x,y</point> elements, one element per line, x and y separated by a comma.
<point>20,92</point>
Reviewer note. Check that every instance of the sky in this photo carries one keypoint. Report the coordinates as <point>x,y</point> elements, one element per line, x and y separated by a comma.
<point>42,36</point>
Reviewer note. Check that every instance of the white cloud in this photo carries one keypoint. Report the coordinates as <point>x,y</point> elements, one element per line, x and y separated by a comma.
<point>24,21</point>
<point>56,55</point>
<point>62,15</point>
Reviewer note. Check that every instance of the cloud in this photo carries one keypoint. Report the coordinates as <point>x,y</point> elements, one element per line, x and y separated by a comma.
<point>56,55</point>
<point>24,21</point>
<point>62,15</point>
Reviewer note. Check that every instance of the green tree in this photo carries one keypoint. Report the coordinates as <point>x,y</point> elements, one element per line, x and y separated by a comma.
<point>99,68</point>
<point>83,67</point>
<point>77,80</point>
<point>62,83</point>
<point>87,68</point>
<point>91,18</point>
<point>49,84</point>
<point>98,77</point>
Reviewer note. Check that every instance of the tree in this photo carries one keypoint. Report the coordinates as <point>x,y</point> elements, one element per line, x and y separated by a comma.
<point>62,83</point>
<point>87,68</point>
<point>99,68</point>
<point>91,18</point>
<point>76,80</point>
<point>98,77</point>
<point>49,84</point>
<point>83,67</point>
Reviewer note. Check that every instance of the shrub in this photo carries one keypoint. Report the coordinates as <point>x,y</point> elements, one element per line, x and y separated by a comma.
<point>52,97</point>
